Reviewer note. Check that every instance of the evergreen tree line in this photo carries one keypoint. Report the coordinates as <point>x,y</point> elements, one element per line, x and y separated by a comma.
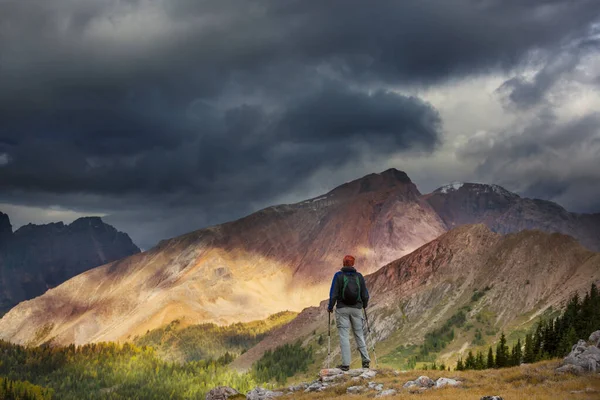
<point>114,371</point>
<point>551,338</point>
<point>17,390</point>
<point>283,362</point>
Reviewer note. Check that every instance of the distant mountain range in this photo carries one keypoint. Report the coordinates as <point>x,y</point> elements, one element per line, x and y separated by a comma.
<point>38,257</point>
<point>283,257</point>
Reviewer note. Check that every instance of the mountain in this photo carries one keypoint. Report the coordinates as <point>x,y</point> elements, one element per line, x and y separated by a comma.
<point>278,258</point>
<point>38,257</point>
<point>470,280</point>
<point>506,212</point>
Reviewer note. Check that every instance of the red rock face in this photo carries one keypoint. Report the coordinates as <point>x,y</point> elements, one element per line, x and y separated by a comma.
<point>378,218</point>
<point>505,212</point>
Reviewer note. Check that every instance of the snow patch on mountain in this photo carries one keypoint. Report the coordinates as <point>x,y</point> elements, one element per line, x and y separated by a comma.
<point>450,187</point>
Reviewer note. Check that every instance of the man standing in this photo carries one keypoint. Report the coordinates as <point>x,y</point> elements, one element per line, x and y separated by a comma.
<point>349,291</point>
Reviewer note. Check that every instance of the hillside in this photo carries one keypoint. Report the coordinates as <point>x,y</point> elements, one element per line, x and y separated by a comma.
<point>279,258</point>
<point>38,257</point>
<point>484,281</point>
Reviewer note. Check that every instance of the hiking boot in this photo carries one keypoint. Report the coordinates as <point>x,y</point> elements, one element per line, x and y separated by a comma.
<point>343,367</point>
<point>365,364</point>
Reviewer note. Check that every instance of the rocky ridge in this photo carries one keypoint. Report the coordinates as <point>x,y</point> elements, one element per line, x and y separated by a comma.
<point>35,258</point>
<point>506,212</point>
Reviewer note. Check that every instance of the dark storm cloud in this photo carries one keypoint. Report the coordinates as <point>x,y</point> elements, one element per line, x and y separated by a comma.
<point>546,159</point>
<point>174,107</point>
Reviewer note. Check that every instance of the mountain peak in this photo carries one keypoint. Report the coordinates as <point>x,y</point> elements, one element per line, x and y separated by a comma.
<point>5,227</point>
<point>395,174</point>
<point>388,179</point>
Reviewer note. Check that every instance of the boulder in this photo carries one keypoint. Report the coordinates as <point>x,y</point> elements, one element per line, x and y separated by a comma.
<point>355,389</point>
<point>388,392</point>
<point>330,372</point>
<point>262,394</point>
<point>315,387</point>
<point>491,398</point>
<point>222,393</point>
<point>355,372</point>
<point>424,381</point>
<point>570,368</point>
<point>376,386</point>
<point>595,338</point>
<point>442,382</point>
<point>297,388</point>
<point>368,374</point>
<point>581,355</point>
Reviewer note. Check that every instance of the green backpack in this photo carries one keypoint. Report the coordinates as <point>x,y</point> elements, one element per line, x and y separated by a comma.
<point>350,289</point>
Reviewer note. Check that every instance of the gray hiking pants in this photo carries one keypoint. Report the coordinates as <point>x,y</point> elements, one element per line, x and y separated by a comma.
<point>346,318</point>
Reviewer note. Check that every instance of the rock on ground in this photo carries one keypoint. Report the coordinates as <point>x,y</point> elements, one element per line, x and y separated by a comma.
<point>491,398</point>
<point>376,386</point>
<point>222,393</point>
<point>570,368</point>
<point>595,338</point>
<point>388,392</point>
<point>262,394</point>
<point>422,382</point>
<point>355,389</point>
<point>440,383</point>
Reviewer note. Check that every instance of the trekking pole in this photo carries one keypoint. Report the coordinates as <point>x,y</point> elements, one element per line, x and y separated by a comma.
<point>371,337</point>
<point>328,338</point>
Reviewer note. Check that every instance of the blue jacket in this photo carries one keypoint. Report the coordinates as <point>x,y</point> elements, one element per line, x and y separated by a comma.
<point>334,292</point>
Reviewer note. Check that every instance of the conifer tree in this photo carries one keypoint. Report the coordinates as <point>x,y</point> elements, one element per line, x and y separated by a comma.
<point>470,362</point>
<point>529,355</point>
<point>502,352</point>
<point>490,359</point>
<point>460,365</point>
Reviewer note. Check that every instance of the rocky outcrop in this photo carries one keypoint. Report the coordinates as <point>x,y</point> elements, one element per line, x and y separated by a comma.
<point>361,383</point>
<point>583,357</point>
<point>506,212</point>
<point>38,257</point>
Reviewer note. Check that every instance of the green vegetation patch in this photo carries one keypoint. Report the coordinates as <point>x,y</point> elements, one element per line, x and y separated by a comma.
<point>201,342</point>
<point>10,389</point>
<point>283,362</point>
<point>114,371</point>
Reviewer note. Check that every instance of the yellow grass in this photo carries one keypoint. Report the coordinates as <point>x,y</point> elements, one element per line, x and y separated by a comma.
<point>533,382</point>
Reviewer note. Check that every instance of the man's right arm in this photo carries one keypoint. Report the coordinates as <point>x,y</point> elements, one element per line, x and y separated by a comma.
<point>333,292</point>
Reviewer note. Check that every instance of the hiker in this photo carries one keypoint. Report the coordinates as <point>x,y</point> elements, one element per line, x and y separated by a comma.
<point>349,291</point>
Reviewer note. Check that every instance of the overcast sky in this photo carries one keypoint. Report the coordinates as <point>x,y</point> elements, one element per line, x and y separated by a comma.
<point>168,116</point>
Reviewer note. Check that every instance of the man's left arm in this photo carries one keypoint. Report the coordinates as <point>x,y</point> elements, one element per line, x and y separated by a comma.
<point>333,293</point>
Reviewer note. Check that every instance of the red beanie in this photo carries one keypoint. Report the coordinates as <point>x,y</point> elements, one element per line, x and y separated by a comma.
<point>349,261</point>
